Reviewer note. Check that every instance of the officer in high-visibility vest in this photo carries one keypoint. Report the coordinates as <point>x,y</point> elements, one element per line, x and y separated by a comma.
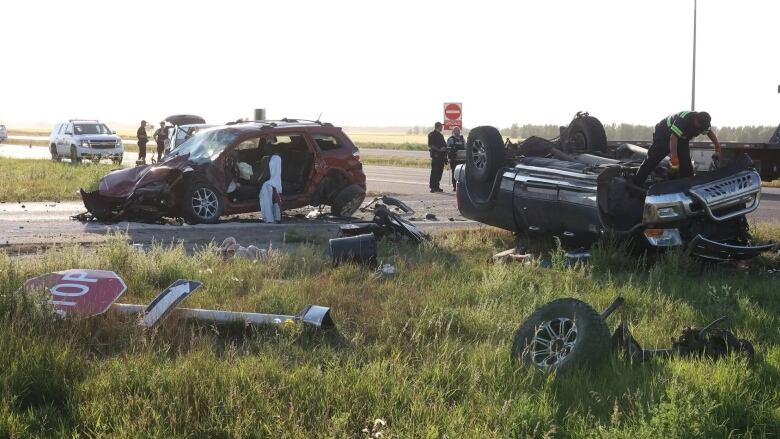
<point>671,137</point>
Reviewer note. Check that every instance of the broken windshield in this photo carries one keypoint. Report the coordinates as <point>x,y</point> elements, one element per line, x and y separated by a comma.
<point>205,146</point>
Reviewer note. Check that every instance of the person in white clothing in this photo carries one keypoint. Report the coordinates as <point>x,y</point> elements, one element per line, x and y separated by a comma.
<point>269,204</point>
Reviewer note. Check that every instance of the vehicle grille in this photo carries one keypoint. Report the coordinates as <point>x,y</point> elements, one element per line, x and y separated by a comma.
<point>103,144</point>
<point>744,183</point>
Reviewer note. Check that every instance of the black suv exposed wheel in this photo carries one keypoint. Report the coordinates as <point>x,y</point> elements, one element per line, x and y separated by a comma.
<point>585,134</point>
<point>348,201</point>
<point>484,153</point>
<point>202,203</point>
<point>564,334</point>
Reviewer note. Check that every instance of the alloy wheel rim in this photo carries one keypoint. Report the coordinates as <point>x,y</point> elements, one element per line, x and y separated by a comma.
<point>204,203</point>
<point>478,154</point>
<point>553,342</point>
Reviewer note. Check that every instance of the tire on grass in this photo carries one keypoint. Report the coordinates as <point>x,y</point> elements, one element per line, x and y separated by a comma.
<point>484,153</point>
<point>562,335</point>
<point>348,201</point>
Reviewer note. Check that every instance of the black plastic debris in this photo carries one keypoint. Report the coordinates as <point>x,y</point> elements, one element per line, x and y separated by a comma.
<point>360,249</point>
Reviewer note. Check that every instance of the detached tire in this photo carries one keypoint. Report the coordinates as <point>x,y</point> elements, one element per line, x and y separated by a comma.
<point>562,335</point>
<point>348,201</point>
<point>202,203</point>
<point>484,153</point>
<point>585,134</point>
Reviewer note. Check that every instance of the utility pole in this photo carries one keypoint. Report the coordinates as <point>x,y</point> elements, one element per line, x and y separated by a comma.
<point>693,79</point>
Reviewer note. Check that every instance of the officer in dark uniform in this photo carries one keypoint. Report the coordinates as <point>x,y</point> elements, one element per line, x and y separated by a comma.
<point>142,139</point>
<point>438,149</point>
<point>160,136</point>
<point>455,143</point>
<point>671,136</point>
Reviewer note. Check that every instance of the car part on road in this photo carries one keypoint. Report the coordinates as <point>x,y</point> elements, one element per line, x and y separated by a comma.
<point>385,224</point>
<point>388,201</point>
<point>562,335</point>
<point>360,249</point>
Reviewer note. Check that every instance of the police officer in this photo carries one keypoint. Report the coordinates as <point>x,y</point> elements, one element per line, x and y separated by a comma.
<point>671,136</point>
<point>142,139</point>
<point>455,143</point>
<point>160,136</point>
<point>438,149</point>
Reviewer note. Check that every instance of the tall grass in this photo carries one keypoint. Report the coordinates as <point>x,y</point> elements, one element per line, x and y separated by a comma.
<point>426,350</point>
<point>41,180</point>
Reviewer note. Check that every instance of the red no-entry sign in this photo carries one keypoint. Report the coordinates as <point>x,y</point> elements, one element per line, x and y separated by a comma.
<point>453,115</point>
<point>79,292</point>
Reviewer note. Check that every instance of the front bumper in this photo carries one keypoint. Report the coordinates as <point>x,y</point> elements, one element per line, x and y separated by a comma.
<point>102,207</point>
<point>97,154</point>
<point>719,251</point>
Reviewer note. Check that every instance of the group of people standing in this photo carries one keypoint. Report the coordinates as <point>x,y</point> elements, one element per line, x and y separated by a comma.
<point>160,136</point>
<point>443,152</point>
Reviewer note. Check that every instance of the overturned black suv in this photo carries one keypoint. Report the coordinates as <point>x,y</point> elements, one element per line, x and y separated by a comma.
<point>569,187</point>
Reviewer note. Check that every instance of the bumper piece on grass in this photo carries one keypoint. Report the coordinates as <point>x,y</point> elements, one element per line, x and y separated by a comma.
<point>719,251</point>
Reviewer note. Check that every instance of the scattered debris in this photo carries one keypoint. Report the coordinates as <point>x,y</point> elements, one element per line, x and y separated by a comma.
<point>389,269</point>
<point>375,429</point>
<point>230,248</point>
<point>360,249</point>
<point>385,224</point>
<point>569,333</point>
<point>513,254</point>
<point>315,213</point>
<point>388,201</point>
<point>431,217</point>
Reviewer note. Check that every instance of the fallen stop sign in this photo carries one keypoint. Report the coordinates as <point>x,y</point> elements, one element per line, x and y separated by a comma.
<point>453,113</point>
<point>78,292</point>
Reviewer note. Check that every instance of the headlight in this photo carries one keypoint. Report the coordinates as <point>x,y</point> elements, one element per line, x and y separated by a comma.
<point>663,237</point>
<point>85,143</point>
<point>118,143</point>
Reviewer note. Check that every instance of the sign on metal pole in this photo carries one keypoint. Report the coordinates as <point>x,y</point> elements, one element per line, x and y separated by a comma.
<point>166,301</point>
<point>453,115</point>
<point>80,293</point>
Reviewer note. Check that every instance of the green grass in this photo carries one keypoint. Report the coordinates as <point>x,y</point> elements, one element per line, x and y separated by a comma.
<point>426,350</point>
<point>43,180</point>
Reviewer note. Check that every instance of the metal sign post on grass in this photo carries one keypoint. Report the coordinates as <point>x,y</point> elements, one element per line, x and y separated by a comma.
<point>453,115</point>
<point>87,293</point>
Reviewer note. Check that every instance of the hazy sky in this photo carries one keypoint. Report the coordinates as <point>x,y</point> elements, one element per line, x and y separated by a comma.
<point>368,63</point>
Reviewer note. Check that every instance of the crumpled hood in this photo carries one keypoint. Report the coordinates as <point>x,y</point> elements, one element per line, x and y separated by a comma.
<point>121,183</point>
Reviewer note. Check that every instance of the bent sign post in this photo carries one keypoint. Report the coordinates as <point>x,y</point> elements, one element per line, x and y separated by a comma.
<point>453,115</point>
<point>87,293</point>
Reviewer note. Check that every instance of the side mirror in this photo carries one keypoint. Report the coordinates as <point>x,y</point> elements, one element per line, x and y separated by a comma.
<point>113,131</point>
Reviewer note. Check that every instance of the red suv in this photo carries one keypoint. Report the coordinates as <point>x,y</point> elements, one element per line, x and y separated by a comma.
<point>220,170</point>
